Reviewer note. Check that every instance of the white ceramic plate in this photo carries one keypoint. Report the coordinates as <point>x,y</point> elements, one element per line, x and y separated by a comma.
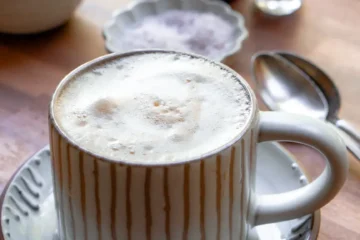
<point>27,207</point>
<point>136,11</point>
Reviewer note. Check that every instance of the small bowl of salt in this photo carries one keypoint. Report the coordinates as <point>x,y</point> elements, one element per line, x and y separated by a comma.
<point>208,28</point>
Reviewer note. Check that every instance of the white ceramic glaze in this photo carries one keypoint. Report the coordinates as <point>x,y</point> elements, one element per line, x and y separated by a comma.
<point>205,198</point>
<point>278,126</point>
<point>136,11</point>
<point>33,16</point>
<point>272,159</point>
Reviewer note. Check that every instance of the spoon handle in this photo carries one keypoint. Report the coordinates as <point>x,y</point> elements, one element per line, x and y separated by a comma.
<point>352,145</point>
<point>349,129</point>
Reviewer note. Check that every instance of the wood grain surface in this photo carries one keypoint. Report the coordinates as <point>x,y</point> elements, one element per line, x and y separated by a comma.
<point>324,30</point>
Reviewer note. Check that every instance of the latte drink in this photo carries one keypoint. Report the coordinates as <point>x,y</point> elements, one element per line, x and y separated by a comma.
<point>160,145</point>
<point>153,108</point>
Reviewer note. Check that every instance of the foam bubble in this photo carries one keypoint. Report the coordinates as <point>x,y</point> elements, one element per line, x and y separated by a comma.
<point>104,107</point>
<point>153,107</point>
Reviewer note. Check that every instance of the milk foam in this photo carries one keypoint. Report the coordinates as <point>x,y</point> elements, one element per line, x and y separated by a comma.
<point>153,107</point>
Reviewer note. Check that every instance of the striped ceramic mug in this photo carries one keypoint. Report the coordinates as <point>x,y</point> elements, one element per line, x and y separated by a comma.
<point>211,197</point>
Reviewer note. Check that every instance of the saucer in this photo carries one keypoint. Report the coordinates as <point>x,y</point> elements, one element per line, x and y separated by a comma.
<point>27,205</point>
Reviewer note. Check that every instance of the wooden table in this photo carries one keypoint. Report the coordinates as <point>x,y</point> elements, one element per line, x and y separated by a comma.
<point>32,66</point>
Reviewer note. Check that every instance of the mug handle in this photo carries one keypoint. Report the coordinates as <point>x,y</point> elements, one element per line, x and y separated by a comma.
<point>278,126</point>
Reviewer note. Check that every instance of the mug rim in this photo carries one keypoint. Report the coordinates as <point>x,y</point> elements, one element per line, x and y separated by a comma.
<point>108,57</point>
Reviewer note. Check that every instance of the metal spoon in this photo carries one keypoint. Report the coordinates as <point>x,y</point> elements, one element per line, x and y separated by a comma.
<point>329,89</point>
<point>290,83</point>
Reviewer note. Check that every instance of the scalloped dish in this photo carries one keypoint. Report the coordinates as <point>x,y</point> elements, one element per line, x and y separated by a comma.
<point>208,28</point>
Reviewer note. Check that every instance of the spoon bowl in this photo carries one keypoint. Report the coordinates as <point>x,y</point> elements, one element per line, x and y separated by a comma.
<point>290,83</point>
<point>321,79</point>
<point>300,95</point>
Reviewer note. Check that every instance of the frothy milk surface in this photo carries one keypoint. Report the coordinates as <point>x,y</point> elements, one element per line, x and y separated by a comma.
<point>153,107</point>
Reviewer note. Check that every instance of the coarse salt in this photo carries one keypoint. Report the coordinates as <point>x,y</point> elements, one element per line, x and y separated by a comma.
<point>202,33</point>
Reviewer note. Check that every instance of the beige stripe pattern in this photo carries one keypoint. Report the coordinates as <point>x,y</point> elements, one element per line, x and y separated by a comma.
<point>207,199</point>
<point>147,188</point>
<point>97,199</point>
<point>186,202</point>
<point>167,204</point>
<point>70,190</point>
<point>113,202</point>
